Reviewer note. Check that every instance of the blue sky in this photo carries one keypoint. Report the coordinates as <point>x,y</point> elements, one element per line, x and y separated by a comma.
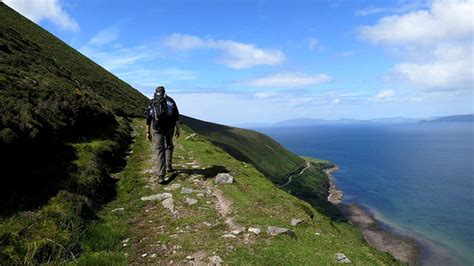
<point>239,62</point>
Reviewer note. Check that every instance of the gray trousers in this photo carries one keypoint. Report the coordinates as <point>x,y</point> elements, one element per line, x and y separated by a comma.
<point>163,139</point>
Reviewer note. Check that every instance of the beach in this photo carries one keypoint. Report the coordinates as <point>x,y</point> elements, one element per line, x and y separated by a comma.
<point>375,232</point>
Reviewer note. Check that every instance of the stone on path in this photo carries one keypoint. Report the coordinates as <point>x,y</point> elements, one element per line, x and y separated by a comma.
<point>172,187</point>
<point>168,203</point>
<point>237,231</point>
<point>223,178</point>
<point>190,136</point>
<point>215,260</point>
<point>186,190</point>
<point>341,258</point>
<point>295,221</point>
<point>125,242</point>
<point>274,230</point>
<point>160,196</point>
<point>228,236</point>
<point>254,230</point>
<point>149,171</point>
<point>190,201</point>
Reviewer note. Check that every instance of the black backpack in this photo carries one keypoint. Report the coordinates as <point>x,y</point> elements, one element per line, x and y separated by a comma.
<point>159,108</point>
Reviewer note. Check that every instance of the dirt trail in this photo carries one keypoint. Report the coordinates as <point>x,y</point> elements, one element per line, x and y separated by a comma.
<point>196,201</point>
<point>290,179</point>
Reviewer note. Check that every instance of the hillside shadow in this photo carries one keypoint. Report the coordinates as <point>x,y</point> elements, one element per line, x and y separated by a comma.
<point>207,173</point>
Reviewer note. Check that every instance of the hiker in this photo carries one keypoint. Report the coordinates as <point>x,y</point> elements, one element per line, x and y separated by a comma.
<point>162,117</point>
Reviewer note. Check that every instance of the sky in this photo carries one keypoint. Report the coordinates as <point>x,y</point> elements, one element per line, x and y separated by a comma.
<point>238,62</point>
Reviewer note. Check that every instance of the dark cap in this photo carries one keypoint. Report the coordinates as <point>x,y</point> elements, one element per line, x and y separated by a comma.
<point>160,89</point>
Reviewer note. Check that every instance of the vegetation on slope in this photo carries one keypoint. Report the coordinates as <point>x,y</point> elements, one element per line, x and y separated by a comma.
<point>50,95</point>
<point>273,160</point>
<point>64,129</point>
<point>132,231</point>
<point>268,156</point>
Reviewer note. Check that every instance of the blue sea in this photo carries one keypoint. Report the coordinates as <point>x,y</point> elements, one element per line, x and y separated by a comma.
<point>417,178</point>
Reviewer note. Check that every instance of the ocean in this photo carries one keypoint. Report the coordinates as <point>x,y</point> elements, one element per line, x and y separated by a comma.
<point>416,178</point>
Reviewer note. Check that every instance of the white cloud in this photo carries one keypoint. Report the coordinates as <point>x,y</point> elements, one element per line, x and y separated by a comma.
<point>314,44</point>
<point>335,102</point>
<point>234,54</point>
<point>383,96</point>
<point>344,54</point>
<point>265,95</point>
<point>397,9</point>
<point>186,42</point>
<point>105,49</point>
<point>116,59</point>
<point>151,77</point>
<point>39,10</point>
<point>435,45</point>
<point>289,79</point>
<point>445,20</point>
<point>105,36</point>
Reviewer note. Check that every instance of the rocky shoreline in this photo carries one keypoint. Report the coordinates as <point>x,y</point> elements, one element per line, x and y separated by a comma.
<point>375,232</point>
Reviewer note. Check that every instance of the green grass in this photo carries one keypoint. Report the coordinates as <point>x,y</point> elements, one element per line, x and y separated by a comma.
<point>51,95</point>
<point>268,156</point>
<point>256,202</point>
<point>273,160</point>
<point>53,232</point>
<point>325,163</point>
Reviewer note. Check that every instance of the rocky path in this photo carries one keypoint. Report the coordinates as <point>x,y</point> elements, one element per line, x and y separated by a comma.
<point>186,220</point>
<point>201,215</point>
<point>290,179</point>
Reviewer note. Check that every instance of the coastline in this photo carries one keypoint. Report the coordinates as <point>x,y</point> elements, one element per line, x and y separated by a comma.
<point>375,232</point>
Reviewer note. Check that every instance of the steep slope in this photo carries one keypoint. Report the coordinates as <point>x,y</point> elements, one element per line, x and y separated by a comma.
<point>64,129</point>
<point>51,95</point>
<point>198,222</point>
<point>268,156</point>
<point>273,160</point>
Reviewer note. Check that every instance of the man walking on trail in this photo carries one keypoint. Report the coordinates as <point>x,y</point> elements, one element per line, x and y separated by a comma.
<point>162,117</point>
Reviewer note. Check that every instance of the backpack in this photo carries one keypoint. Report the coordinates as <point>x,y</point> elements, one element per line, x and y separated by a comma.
<point>159,108</point>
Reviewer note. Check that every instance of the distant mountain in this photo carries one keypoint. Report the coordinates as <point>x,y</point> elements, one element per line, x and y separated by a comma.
<point>452,119</point>
<point>305,122</point>
<point>253,125</point>
<point>300,122</point>
<point>394,120</point>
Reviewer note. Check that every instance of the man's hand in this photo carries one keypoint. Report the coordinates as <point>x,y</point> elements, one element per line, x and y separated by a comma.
<point>149,137</point>
<point>178,132</point>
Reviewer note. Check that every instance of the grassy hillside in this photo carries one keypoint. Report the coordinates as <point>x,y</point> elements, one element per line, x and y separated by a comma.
<point>133,231</point>
<point>268,156</point>
<point>64,129</point>
<point>273,160</point>
<point>51,96</point>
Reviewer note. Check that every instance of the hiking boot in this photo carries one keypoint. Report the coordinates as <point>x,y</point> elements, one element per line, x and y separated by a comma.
<point>170,169</point>
<point>161,179</point>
